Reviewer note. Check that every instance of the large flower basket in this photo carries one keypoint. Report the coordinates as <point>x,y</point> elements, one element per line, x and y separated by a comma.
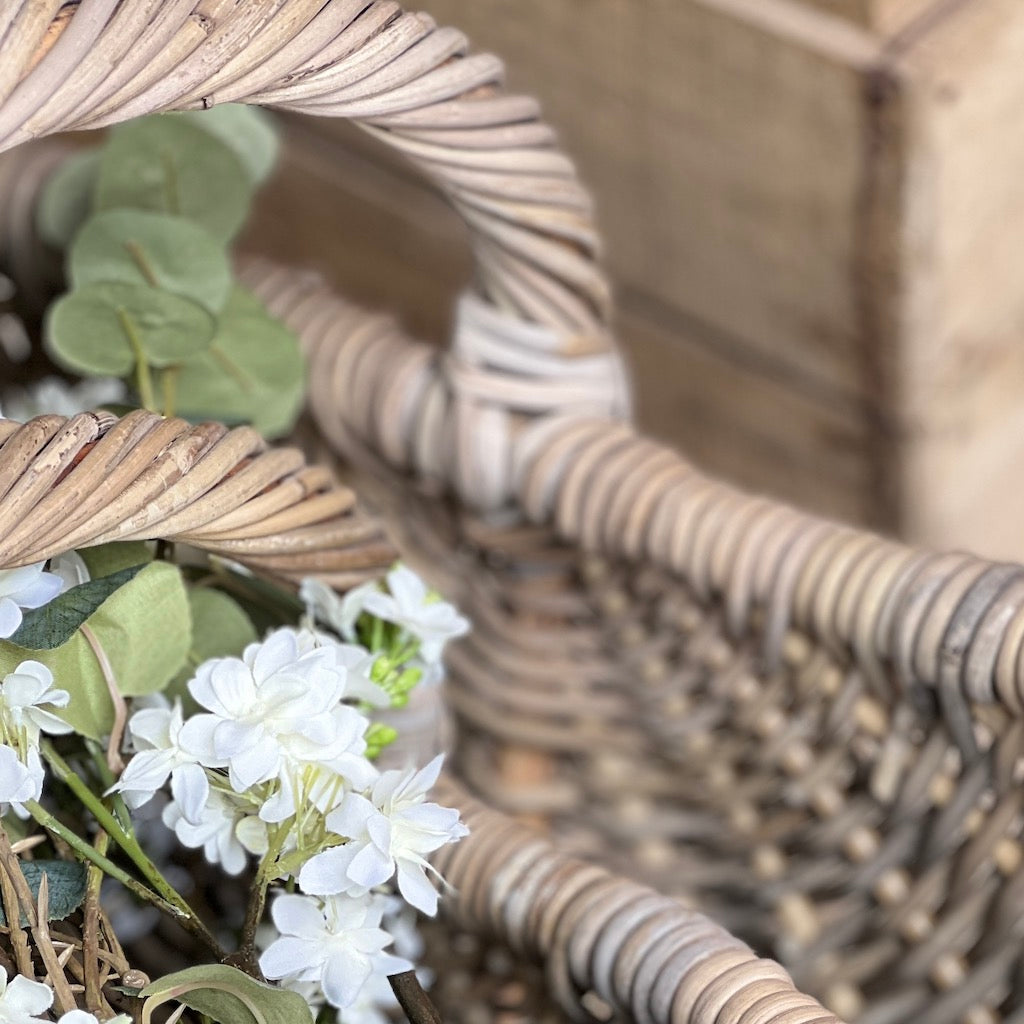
<point>776,760</point>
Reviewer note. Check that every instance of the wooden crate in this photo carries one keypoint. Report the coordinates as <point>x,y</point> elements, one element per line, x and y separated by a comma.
<point>811,213</point>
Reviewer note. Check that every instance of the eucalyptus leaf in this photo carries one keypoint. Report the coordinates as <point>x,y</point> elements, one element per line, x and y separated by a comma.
<point>66,198</point>
<point>227,995</point>
<point>249,131</point>
<point>67,882</point>
<point>99,329</point>
<point>170,253</point>
<point>253,371</point>
<point>145,630</point>
<point>57,621</point>
<point>106,559</point>
<point>171,165</point>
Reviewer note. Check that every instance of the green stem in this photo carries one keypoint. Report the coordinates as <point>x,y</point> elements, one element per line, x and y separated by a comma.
<point>142,262</point>
<point>143,377</point>
<point>169,380</point>
<point>86,850</point>
<point>120,808</point>
<point>131,847</point>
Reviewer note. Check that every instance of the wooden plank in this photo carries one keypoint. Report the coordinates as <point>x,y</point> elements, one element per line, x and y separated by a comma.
<point>725,143</point>
<point>883,16</point>
<point>962,348</point>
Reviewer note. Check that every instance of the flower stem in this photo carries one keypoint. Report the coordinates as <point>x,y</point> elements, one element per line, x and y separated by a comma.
<point>181,910</point>
<point>80,846</point>
<point>245,958</point>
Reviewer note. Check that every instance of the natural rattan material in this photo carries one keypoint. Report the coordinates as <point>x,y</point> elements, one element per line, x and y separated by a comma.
<point>810,732</point>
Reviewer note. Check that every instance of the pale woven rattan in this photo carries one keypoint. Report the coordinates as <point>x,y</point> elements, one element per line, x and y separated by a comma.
<point>809,733</point>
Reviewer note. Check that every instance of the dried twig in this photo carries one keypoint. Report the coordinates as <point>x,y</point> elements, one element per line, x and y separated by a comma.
<point>63,997</point>
<point>414,1001</point>
<point>12,909</point>
<point>90,929</point>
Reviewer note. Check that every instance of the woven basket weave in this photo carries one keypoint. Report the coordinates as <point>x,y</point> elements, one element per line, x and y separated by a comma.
<point>807,733</point>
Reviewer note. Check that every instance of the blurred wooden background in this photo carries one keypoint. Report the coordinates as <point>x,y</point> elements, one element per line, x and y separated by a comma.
<point>813,212</point>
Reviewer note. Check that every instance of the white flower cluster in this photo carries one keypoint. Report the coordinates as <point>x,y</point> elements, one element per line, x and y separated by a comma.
<point>421,620</point>
<point>22,1001</point>
<point>277,764</point>
<point>25,695</point>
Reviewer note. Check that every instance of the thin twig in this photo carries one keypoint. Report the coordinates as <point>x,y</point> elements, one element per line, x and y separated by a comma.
<point>414,1001</point>
<point>114,761</point>
<point>63,997</point>
<point>12,908</point>
<point>90,929</point>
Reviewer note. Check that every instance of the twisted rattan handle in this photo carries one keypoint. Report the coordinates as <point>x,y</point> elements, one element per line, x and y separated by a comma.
<point>540,311</point>
<point>71,483</point>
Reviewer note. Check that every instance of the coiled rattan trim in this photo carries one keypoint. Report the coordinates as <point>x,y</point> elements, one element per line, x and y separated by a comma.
<point>91,479</point>
<point>644,954</point>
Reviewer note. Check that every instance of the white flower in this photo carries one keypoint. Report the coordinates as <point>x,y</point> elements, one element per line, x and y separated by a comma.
<point>226,831</point>
<point>22,1000</point>
<point>338,944</point>
<point>389,834</point>
<point>71,569</point>
<point>156,734</point>
<point>83,1017</point>
<point>339,613</point>
<point>53,395</point>
<point>23,693</point>
<point>273,706</point>
<point>20,780</point>
<point>413,607</point>
<point>354,661</point>
<point>27,587</point>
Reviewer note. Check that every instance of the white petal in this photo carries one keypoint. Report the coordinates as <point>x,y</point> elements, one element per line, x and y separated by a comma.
<point>326,874</point>
<point>10,617</point>
<point>191,789</point>
<point>413,885</point>
<point>297,915</point>
<point>288,957</point>
<point>39,592</point>
<point>370,867</point>
<point>28,997</point>
<point>344,977</point>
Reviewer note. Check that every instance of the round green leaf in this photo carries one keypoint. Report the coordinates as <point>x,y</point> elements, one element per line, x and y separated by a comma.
<point>167,252</point>
<point>249,131</point>
<point>103,328</point>
<point>145,629</point>
<point>170,165</point>
<point>252,372</point>
<point>66,198</point>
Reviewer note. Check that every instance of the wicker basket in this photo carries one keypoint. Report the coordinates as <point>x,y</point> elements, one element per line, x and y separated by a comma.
<point>806,732</point>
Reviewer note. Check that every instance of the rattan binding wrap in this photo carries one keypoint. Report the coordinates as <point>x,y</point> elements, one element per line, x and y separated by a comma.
<point>811,733</point>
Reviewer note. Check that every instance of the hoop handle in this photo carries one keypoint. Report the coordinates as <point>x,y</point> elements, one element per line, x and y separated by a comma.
<point>540,308</point>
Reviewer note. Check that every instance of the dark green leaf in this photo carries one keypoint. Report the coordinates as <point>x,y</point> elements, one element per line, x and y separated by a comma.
<point>253,371</point>
<point>66,889</point>
<point>167,252</point>
<point>43,629</point>
<point>170,165</point>
<point>96,329</point>
<point>66,198</point>
<point>249,131</point>
<point>228,996</point>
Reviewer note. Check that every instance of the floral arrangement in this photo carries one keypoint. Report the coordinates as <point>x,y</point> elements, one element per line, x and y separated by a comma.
<point>147,691</point>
